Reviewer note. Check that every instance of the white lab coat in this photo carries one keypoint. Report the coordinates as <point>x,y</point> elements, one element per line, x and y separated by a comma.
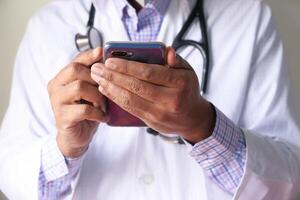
<point>248,82</point>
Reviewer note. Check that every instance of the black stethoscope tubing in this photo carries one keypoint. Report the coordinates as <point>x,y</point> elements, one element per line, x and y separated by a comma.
<point>202,47</point>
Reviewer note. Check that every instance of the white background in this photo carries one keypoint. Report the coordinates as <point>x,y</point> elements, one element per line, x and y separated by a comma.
<point>14,15</point>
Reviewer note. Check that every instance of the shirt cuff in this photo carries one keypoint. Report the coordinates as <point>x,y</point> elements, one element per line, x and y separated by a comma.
<point>223,154</point>
<point>221,146</point>
<point>54,165</point>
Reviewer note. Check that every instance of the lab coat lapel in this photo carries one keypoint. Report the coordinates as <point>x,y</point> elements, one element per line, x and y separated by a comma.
<point>179,10</point>
<point>108,21</point>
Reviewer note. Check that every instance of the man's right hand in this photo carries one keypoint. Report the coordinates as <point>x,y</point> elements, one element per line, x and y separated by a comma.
<point>77,121</point>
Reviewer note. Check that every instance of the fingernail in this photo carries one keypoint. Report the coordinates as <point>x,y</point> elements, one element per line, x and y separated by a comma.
<point>104,107</point>
<point>100,88</point>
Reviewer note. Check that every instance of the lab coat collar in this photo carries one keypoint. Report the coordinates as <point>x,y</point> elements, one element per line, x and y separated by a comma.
<point>178,9</point>
<point>108,16</point>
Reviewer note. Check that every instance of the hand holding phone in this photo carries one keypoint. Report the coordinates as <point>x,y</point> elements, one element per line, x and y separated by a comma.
<point>166,97</point>
<point>151,53</point>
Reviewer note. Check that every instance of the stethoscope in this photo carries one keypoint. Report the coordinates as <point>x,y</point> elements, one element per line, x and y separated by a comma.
<point>93,39</point>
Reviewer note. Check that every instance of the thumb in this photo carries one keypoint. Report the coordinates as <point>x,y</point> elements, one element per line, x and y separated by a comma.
<point>175,61</point>
<point>172,61</point>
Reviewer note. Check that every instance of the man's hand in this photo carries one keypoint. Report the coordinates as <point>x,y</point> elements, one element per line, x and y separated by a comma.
<point>167,98</point>
<point>77,104</point>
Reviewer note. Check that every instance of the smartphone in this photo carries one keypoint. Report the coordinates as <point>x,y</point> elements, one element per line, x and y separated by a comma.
<point>145,52</point>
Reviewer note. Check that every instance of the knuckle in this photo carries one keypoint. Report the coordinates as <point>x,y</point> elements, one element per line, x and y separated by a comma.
<point>147,73</point>
<point>176,104</point>
<point>75,69</point>
<point>78,86</point>
<point>135,86</point>
<point>181,81</point>
<point>125,101</point>
<point>109,76</point>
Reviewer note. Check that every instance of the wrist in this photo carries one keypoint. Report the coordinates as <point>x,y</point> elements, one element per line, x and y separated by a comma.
<point>203,123</point>
<point>68,151</point>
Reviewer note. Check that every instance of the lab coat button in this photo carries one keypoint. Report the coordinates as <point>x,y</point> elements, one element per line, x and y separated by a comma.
<point>147,179</point>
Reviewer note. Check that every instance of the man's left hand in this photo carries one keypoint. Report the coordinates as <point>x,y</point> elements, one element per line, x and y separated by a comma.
<point>167,98</point>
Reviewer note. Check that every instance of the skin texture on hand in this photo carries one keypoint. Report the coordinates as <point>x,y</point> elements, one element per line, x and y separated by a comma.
<point>167,98</point>
<point>77,104</point>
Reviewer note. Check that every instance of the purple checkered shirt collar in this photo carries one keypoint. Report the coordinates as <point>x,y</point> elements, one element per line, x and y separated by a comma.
<point>145,25</point>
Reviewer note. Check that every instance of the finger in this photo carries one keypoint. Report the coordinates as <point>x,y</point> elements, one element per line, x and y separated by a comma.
<point>73,72</point>
<point>151,92</point>
<point>81,90</point>
<point>175,61</point>
<point>130,102</point>
<point>79,69</point>
<point>87,58</point>
<point>156,74</point>
<point>171,57</point>
<point>79,112</point>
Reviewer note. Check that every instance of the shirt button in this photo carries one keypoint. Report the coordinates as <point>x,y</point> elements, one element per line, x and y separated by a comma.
<point>147,179</point>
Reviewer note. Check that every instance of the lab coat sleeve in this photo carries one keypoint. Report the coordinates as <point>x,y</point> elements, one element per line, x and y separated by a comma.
<point>28,123</point>
<point>272,168</point>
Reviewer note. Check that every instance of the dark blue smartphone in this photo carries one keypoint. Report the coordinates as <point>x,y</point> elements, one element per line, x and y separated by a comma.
<point>144,52</point>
